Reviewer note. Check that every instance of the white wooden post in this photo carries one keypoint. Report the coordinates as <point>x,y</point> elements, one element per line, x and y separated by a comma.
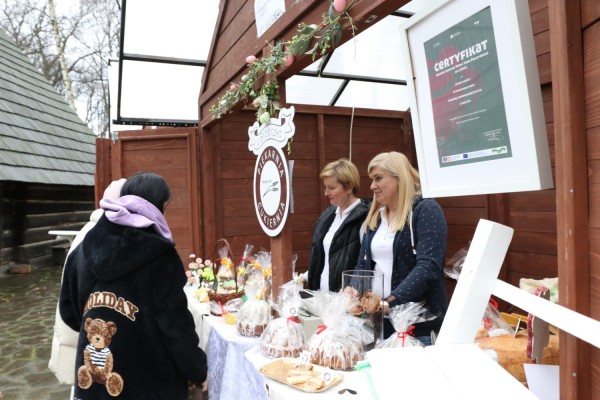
<point>476,283</point>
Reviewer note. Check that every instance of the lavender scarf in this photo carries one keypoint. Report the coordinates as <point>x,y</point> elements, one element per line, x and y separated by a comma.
<point>135,212</point>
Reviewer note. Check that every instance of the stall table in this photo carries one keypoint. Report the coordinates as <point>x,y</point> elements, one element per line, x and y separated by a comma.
<point>449,372</point>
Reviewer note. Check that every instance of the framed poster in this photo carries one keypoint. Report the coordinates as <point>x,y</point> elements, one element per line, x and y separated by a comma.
<point>476,101</point>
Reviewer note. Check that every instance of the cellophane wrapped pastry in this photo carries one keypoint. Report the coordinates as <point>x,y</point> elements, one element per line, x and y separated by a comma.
<point>284,336</point>
<point>258,277</point>
<point>492,323</point>
<point>243,266</point>
<point>253,317</point>
<point>225,277</point>
<point>403,318</point>
<point>255,313</point>
<point>338,343</point>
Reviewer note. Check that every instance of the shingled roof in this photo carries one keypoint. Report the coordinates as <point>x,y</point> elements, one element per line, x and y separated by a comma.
<point>42,140</point>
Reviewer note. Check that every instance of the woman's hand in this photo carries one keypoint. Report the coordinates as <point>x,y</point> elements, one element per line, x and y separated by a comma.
<point>300,280</point>
<point>200,389</point>
<point>385,307</point>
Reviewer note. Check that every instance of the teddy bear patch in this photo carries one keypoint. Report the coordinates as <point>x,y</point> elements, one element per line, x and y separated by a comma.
<point>97,358</point>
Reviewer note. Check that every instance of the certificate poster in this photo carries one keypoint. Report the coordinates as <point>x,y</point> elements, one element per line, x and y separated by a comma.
<point>475,98</point>
<point>466,93</point>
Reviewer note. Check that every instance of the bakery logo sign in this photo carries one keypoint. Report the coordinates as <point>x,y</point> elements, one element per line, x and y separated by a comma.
<point>271,176</point>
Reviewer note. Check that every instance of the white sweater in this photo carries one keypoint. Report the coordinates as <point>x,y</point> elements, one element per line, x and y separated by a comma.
<point>64,341</point>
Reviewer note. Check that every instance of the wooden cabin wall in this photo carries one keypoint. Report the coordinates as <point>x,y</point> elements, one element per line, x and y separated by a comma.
<point>590,25</point>
<point>29,210</point>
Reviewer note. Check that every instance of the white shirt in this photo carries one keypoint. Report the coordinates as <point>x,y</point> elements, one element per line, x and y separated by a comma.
<point>382,254</point>
<point>335,225</point>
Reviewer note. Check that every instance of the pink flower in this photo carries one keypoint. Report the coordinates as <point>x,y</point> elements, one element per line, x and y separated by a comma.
<point>339,5</point>
<point>289,60</point>
<point>250,59</point>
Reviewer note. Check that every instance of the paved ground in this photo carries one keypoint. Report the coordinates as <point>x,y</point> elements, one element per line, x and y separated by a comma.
<point>27,308</point>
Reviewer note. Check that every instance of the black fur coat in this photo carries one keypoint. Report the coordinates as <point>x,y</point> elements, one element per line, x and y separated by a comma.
<point>123,291</point>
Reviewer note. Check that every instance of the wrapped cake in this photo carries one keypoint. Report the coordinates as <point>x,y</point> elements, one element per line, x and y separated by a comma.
<point>255,313</point>
<point>338,343</point>
<point>253,317</point>
<point>403,317</point>
<point>284,336</point>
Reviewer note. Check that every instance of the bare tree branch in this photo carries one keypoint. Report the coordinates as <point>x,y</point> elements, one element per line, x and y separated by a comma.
<point>71,47</point>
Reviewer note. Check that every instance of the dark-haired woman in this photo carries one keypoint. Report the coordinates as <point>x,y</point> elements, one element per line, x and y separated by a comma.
<point>122,290</point>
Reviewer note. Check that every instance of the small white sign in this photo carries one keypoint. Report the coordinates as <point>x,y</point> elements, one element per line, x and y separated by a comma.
<point>266,12</point>
<point>276,133</point>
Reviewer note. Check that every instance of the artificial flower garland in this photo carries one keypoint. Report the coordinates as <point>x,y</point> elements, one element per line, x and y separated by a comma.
<point>266,99</point>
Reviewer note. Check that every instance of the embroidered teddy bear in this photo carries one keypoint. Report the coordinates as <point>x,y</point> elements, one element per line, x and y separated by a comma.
<point>98,360</point>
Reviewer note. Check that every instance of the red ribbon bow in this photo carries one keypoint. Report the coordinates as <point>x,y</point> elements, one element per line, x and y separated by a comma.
<point>487,321</point>
<point>294,319</point>
<point>403,335</point>
<point>321,329</point>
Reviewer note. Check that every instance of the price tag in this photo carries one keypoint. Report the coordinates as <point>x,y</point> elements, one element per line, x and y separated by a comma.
<point>327,377</point>
<point>305,357</point>
<point>293,312</point>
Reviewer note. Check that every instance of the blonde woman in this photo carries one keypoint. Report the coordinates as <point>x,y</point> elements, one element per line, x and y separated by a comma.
<point>405,239</point>
<point>336,236</point>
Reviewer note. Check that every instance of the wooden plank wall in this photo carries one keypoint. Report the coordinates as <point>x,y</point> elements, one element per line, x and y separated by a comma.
<point>590,24</point>
<point>591,64</point>
<point>322,135</point>
<point>171,153</point>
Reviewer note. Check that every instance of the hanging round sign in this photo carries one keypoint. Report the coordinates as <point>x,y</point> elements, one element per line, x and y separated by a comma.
<point>271,194</point>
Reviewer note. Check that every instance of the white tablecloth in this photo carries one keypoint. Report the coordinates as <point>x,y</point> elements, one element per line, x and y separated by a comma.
<point>229,376</point>
<point>198,311</point>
